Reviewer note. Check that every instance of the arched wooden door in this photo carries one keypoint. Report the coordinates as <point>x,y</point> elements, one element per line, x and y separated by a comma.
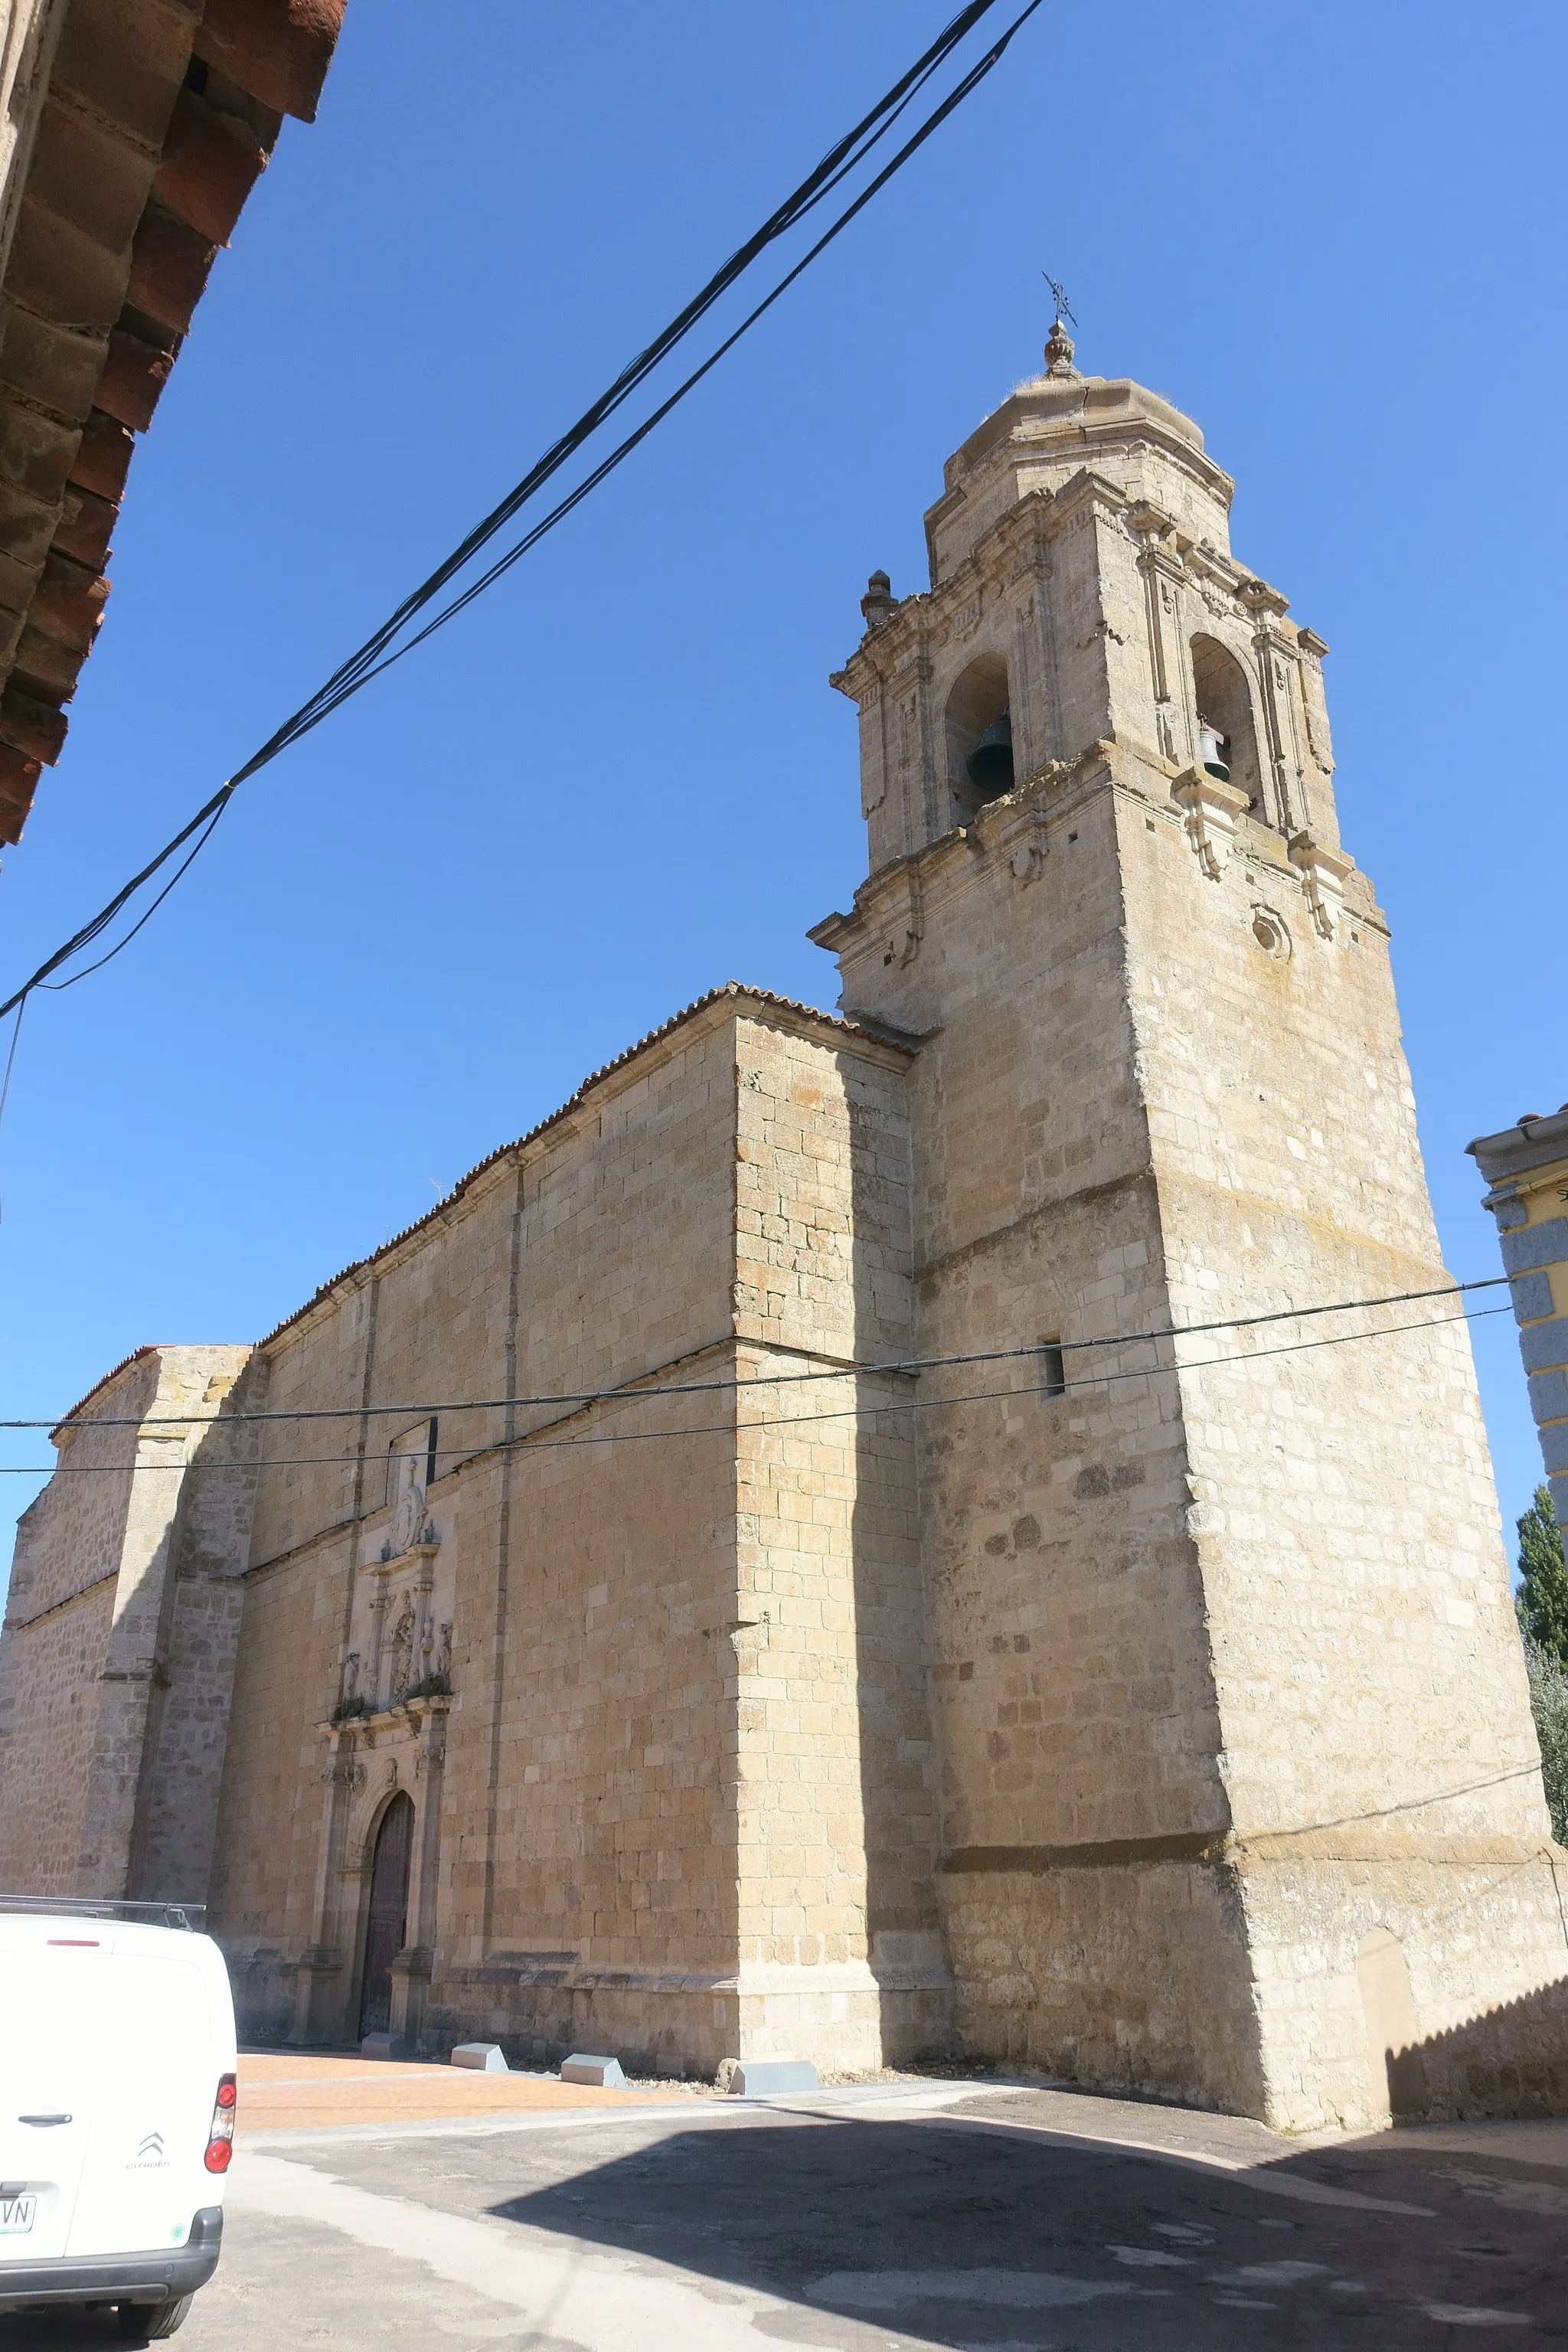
<point>389,1914</point>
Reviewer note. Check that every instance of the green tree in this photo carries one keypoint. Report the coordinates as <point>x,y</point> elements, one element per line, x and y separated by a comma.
<point>1541,1599</point>
<point>1549,1705</point>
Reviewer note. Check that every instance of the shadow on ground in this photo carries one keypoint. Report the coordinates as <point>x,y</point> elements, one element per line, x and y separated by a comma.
<point>61,2331</point>
<point>969,2232</point>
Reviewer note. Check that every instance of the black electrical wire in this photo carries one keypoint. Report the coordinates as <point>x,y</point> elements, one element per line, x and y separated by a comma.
<point>535,1442</point>
<point>607,466</point>
<point>375,654</point>
<point>900,1367</point>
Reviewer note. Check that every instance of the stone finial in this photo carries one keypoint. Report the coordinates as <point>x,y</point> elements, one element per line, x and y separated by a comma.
<point>1060,349</point>
<point>878,604</point>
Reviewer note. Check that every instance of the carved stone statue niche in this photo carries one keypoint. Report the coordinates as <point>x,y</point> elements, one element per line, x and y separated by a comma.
<point>403,1650</point>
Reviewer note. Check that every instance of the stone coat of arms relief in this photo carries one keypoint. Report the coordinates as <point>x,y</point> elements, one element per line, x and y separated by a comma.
<point>401,1637</point>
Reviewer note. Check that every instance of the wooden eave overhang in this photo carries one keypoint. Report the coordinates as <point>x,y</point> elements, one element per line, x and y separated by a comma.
<point>153,118</point>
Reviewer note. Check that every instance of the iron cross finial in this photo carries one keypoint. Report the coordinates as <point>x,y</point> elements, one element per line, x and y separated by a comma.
<point>1059,295</point>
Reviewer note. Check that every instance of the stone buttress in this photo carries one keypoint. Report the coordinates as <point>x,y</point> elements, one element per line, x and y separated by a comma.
<point>121,1626</point>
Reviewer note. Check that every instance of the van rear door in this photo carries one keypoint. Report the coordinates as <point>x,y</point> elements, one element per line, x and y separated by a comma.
<point>162,2051</point>
<point>51,1977</point>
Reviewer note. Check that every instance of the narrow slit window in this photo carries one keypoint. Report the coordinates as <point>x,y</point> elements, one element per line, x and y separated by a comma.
<point>1053,1369</point>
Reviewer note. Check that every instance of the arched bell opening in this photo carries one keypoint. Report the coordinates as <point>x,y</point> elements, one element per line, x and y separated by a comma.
<point>1228,741</point>
<point>979,737</point>
<point>386,1911</point>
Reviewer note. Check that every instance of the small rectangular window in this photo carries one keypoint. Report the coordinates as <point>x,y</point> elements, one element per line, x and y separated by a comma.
<point>411,1460</point>
<point>1053,1370</point>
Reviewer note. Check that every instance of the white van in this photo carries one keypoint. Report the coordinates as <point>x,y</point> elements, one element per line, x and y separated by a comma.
<point>117,2101</point>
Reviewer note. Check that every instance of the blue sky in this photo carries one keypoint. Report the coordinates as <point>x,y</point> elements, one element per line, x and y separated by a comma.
<point>1331,234</point>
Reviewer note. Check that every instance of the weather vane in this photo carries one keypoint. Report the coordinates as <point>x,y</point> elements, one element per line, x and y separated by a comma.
<point>1058,342</point>
<point>1064,309</point>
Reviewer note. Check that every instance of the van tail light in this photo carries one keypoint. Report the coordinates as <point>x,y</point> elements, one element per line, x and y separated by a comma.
<point>220,2138</point>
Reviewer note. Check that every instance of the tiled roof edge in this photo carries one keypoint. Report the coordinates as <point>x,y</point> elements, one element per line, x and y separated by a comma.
<point>730,988</point>
<point>152,1348</point>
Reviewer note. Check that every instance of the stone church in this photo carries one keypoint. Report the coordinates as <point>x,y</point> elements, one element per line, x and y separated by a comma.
<point>854,1538</point>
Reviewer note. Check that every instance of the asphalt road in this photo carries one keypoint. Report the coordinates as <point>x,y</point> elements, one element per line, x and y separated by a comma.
<point>1012,2220</point>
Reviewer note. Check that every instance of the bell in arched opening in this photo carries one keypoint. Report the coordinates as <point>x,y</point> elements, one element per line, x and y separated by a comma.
<point>1214,750</point>
<point>990,764</point>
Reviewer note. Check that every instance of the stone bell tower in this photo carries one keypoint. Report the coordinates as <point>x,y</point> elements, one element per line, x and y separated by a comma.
<point>1241,1794</point>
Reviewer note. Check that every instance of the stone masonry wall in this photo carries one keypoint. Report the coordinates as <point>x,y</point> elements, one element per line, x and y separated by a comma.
<point>60,1616</point>
<point>1348,1524</point>
<point>596,1257</point>
<point>187,1730</point>
<point>589,1872</point>
<point>100,1661</point>
<point>839,1946</point>
<point>193,1383</point>
<point>270,1822</point>
<point>585,1878</point>
<point>1376,1727</point>
<point>1076,1708</point>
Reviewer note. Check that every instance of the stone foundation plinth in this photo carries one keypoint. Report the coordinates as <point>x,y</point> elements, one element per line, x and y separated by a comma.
<point>1117,1974</point>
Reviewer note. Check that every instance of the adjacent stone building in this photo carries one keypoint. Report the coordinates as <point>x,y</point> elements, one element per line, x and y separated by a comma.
<point>857,1536</point>
<point>1526,1169</point>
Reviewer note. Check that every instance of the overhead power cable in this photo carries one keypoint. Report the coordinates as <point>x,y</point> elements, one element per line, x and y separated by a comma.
<point>535,1442</point>
<point>377,652</point>
<point>903,1367</point>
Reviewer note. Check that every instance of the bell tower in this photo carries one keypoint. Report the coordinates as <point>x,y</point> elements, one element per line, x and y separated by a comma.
<point>1241,1792</point>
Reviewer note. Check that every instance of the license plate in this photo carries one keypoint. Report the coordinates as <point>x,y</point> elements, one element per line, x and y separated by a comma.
<point>17,2215</point>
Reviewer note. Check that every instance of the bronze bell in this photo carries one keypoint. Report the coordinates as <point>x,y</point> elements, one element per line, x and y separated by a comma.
<point>1214,750</point>
<point>990,764</point>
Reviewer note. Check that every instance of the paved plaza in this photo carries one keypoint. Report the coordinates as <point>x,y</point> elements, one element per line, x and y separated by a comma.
<point>885,2218</point>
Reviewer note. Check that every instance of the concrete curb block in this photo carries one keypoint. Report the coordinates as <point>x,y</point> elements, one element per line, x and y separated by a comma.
<point>769,2078</point>
<point>600,2073</point>
<point>484,2057</point>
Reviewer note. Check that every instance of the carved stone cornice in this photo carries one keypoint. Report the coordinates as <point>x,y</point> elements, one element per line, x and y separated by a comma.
<point>1085,493</point>
<point>1161,538</point>
<point>1260,599</point>
<point>1044,420</point>
<point>1324,873</point>
<point>1209,567</point>
<point>1017,544</point>
<point>1014,548</point>
<point>891,903</point>
<point>388,1563</point>
<point>884,651</point>
<point>1213,811</point>
<point>403,1715</point>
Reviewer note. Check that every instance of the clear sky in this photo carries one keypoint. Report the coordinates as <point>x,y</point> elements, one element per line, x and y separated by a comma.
<point>1331,233</point>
